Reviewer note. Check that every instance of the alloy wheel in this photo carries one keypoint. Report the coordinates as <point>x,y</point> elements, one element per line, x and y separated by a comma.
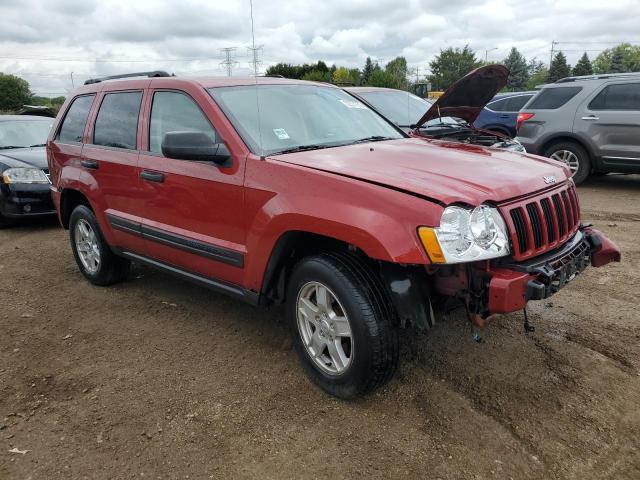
<point>567,157</point>
<point>87,246</point>
<point>324,327</point>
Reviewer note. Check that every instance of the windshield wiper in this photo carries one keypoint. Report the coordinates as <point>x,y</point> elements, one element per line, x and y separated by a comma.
<point>300,148</point>
<point>38,145</point>
<point>7,147</point>
<point>373,138</point>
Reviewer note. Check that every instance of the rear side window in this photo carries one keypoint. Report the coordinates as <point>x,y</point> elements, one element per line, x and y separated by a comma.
<point>624,96</point>
<point>516,103</point>
<point>551,98</point>
<point>74,122</point>
<point>175,112</point>
<point>117,120</point>
<point>498,105</point>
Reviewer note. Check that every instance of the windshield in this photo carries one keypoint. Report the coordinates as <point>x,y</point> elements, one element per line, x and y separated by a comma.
<point>403,108</point>
<point>277,118</point>
<point>24,133</point>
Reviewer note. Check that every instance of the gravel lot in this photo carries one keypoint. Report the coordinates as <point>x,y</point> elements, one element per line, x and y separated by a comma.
<point>157,378</point>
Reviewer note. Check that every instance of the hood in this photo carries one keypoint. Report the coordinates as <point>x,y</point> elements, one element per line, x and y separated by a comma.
<point>467,97</point>
<point>445,172</point>
<point>24,157</point>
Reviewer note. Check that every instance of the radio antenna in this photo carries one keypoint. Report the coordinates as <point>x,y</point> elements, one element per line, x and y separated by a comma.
<point>255,76</point>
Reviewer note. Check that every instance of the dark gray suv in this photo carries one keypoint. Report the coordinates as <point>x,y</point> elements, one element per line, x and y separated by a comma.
<point>591,123</point>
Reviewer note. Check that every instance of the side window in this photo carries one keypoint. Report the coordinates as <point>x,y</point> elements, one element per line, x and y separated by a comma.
<point>175,112</point>
<point>117,120</point>
<point>74,122</point>
<point>552,98</point>
<point>624,96</point>
<point>498,105</point>
<point>514,104</point>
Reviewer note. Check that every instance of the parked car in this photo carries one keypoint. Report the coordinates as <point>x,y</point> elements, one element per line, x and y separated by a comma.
<point>24,181</point>
<point>284,191</point>
<point>463,101</point>
<point>591,123</point>
<point>500,114</point>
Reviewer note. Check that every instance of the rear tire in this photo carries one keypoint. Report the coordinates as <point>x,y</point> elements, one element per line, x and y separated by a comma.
<point>93,255</point>
<point>4,222</point>
<point>574,156</point>
<point>369,356</point>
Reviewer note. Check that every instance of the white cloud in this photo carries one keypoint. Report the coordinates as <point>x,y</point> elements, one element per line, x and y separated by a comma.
<point>90,37</point>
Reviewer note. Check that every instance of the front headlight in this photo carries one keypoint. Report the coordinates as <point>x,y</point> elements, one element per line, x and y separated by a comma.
<point>466,235</point>
<point>24,175</point>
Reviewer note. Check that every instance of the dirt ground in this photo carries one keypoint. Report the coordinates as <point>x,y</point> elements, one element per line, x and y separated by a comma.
<point>157,378</point>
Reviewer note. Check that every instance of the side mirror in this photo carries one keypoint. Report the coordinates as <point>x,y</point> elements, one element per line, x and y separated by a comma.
<point>196,146</point>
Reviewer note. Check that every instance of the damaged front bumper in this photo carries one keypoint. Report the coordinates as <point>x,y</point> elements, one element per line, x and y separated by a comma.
<point>512,285</point>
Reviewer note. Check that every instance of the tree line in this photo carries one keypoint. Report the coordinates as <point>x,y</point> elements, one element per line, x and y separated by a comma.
<point>453,63</point>
<point>15,92</point>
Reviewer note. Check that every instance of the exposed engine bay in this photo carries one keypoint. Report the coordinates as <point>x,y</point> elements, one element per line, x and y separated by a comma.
<point>472,136</point>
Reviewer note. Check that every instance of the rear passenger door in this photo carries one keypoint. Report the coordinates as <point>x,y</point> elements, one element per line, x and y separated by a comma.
<point>193,210</point>
<point>110,167</point>
<point>611,118</point>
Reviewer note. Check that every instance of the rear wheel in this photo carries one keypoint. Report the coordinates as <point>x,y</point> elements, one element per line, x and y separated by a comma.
<point>574,156</point>
<point>95,259</point>
<point>4,221</point>
<point>342,323</point>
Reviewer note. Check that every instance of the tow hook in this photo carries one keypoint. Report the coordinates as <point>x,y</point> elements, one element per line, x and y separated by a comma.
<point>528,328</point>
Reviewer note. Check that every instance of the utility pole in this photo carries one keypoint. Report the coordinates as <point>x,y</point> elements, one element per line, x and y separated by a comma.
<point>228,62</point>
<point>486,53</point>
<point>72,84</point>
<point>553,46</point>
<point>255,54</point>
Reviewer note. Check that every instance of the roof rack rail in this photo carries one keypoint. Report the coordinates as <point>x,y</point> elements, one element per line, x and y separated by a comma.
<point>272,75</point>
<point>153,74</point>
<point>600,76</point>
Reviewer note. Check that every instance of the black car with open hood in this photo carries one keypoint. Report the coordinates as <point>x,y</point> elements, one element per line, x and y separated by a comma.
<point>451,116</point>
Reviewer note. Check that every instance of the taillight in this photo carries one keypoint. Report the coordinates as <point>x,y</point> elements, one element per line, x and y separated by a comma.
<point>523,117</point>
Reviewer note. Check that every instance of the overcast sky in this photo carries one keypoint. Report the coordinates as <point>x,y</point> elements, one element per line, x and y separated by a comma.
<point>44,41</point>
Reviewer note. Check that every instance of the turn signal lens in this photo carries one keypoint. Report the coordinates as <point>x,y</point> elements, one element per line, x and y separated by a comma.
<point>431,245</point>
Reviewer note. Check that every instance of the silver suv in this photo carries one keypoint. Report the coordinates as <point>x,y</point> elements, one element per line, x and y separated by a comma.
<point>592,123</point>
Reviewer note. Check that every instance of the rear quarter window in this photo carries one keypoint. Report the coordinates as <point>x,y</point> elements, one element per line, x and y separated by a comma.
<point>552,98</point>
<point>516,103</point>
<point>75,120</point>
<point>623,96</point>
<point>117,120</point>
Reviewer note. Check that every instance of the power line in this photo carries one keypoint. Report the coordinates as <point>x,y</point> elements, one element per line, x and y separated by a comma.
<point>255,61</point>
<point>228,62</point>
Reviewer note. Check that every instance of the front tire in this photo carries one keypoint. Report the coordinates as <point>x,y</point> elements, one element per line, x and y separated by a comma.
<point>95,259</point>
<point>342,323</point>
<point>574,156</point>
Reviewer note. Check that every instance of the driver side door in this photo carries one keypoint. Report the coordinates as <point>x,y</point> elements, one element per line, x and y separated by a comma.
<point>193,216</point>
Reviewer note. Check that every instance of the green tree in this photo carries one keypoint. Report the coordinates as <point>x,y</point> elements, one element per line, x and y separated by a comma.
<point>382,78</point>
<point>583,67</point>
<point>559,68</point>
<point>317,76</point>
<point>342,75</point>
<point>367,71</point>
<point>451,65</point>
<point>14,92</point>
<point>397,69</point>
<point>617,62</point>
<point>630,58</point>
<point>285,69</point>
<point>518,71</point>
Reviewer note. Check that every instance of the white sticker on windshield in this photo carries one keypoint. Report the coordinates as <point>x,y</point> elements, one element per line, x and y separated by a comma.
<point>353,104</point>
<point>281,133</point>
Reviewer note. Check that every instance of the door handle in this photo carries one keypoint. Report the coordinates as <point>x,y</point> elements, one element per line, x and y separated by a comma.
<point>591,117</point>
<point>152,176</point>
<point>504,116</point>
<point>90,164</point>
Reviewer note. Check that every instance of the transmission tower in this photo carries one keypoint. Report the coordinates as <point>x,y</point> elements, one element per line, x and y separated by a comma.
<point>255,55</point>
<point>228,63</point>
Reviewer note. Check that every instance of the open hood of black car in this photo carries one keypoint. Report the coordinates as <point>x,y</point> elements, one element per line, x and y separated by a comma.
<point>468,96</point>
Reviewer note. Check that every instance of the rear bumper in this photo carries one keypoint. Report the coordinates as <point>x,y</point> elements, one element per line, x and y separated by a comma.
<point>511,286</point>
<point>25,200</point>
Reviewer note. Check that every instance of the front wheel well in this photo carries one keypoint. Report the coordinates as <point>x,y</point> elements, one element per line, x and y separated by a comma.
<point>69,200</point>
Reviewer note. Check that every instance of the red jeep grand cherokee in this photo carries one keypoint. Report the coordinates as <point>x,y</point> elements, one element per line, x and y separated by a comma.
<point>274,190</point>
